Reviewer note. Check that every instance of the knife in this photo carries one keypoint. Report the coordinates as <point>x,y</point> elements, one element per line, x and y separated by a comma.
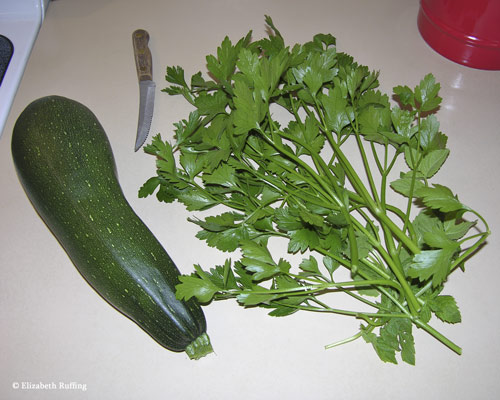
<point>144,65</point>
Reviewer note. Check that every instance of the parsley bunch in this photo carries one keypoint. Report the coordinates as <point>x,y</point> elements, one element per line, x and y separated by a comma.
<point>293,178</point>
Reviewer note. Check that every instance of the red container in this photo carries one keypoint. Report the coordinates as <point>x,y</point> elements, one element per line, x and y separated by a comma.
<point>464,31</point>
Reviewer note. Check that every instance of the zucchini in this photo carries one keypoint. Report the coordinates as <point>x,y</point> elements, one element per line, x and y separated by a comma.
<point>65,163</point>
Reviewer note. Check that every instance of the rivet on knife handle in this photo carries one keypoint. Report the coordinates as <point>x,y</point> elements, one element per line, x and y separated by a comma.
<point>144,65</point>
<point>143,59</point>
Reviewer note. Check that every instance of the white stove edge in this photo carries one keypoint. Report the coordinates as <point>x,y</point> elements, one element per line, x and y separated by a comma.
<point>20,22</point>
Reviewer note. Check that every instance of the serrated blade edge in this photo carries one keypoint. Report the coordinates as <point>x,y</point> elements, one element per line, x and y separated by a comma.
<point>146,108</point>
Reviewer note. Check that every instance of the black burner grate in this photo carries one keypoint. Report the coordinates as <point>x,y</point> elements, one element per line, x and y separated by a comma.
<point>6,50</point>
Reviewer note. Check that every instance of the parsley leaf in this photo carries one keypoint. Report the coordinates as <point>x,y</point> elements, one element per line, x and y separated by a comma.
<point>439,197</point>
<point>426,93</point>
<point>195,286</point>
<point>446,309</point>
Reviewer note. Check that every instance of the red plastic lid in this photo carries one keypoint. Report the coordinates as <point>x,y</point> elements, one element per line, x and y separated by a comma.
<point>464,31</point>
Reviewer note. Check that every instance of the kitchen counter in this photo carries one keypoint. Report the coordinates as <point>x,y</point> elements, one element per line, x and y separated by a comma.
<point>55,328</point>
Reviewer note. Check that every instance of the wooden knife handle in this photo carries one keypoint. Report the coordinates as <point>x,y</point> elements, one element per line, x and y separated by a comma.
<point>143,59</point>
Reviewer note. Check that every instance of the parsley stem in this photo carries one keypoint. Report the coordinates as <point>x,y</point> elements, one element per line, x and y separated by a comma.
<point>393,262</point>
<point>335,196</point>
<point>280,186</point>
<point>439,336</point>
<point>323,188</point>
<point>366,316</point>
<point>344,341</point>
<point>358,185</point>
<point>349,292</point>
<point>327,309</point>
<point>313,289</point>
<point>471,250</point>
<point>369,174</point>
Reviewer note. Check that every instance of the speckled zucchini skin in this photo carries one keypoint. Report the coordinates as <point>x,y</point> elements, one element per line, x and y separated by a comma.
<point>66,166</point>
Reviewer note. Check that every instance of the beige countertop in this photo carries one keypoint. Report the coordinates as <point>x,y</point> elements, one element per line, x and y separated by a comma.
<point>54,328</point>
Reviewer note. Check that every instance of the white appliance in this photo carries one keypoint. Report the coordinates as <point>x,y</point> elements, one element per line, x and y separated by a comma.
<point>20,21</point>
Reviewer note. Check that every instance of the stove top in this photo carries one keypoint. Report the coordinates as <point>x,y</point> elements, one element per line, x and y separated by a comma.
<point>20,21</point>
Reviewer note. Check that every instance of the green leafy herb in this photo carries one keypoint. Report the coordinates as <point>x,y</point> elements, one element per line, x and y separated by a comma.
<point>270,141</point>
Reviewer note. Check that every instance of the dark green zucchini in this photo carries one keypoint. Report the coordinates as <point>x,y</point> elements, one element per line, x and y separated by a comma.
<point>65,163</point>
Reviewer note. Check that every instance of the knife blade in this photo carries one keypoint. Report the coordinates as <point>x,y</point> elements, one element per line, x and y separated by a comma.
<point>144,66</point>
